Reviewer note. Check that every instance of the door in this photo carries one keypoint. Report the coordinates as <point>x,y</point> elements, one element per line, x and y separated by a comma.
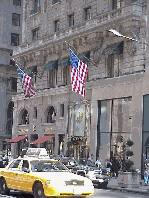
<point>10,174</point>
<point>25,178</point>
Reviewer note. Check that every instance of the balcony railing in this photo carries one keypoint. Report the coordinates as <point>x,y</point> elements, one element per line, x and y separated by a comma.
<point>36,10</point>
<point>123,12</point>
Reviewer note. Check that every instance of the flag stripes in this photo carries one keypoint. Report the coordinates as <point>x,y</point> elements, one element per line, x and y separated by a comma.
<point>78,74</point>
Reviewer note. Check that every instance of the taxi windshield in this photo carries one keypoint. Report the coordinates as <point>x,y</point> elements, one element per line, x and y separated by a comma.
<point>47,166</point>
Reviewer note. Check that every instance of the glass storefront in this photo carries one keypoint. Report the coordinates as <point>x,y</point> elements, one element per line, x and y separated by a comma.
<point>113,127</point>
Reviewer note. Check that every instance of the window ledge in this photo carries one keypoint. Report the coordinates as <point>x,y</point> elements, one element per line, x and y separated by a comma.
<point>34,119</point>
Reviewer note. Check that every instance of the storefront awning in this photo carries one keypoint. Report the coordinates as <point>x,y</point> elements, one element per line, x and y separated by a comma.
<point>116,48</point>
<point>43,139</point>
<point>17,139</point>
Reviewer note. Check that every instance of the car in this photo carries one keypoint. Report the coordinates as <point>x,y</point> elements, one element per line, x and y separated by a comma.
<point>43,177</point>
<point>71,163</point>
<point>99,176</point>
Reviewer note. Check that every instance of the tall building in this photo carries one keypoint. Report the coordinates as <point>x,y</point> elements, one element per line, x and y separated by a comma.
<point>112,111</point>
<point>10,36</point>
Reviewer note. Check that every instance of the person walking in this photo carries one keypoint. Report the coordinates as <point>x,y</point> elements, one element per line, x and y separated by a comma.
<point>98,163</point>
<point>146,177</point>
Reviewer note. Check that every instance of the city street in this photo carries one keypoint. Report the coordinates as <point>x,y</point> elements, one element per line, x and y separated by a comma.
<point>98,193</point>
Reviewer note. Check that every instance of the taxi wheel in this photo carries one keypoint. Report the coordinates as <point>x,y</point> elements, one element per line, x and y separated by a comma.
<point>38,191</point>
<point>3,187</point>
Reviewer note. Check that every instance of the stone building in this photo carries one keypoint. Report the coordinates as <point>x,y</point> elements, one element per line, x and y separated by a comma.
<point>10,35</point>
<point>112,111</point>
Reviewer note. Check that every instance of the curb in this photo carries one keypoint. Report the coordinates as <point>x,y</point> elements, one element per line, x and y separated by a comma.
<point>129,190</point>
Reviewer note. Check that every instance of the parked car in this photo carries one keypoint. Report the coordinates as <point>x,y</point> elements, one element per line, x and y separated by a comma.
<point>99,177</point>
<point>71,163</point>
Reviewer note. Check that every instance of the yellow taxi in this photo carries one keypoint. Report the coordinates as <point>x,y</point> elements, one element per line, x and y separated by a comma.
<point>43,177</point>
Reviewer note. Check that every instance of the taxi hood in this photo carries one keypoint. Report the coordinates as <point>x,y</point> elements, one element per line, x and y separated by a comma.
<point>60,176</point>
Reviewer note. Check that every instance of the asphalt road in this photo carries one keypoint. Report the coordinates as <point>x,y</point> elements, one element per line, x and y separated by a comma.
<point>101,193</point>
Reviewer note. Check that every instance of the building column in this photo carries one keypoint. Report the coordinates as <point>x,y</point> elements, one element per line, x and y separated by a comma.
<point>137,114</point>
<point>93,132</point>
<point>56,144</point>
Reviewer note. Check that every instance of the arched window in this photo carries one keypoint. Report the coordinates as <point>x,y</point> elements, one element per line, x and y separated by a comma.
<point>24,117</point>
<point>9,118</point>
<point>50,115</point>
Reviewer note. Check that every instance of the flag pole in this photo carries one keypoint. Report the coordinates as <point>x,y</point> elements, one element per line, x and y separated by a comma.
<point>80,53</point>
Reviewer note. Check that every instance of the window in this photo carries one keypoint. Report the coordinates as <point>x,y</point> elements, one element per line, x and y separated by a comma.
<point>14,39</point>
<point>45,5</point>
<point>12,62</point>
<point>53,74</point>
<point>14,84</point>
<point>52,77</point>
<point>35,112</point>
<point>114,64</point>
<point>110,66</point>
<point>36,5</point>
<point>35,34</point>
<point>50,115</point>
<point>55,1</point>
<point>15,164</point>
<point>15,19</point>
<point>33,74</point>
<point>114,4</point>
<point>71,20</point>
<point>61,110</point>
<point>56,26</point>
<point>25,164</point>
<point>24,117</point>
<point>87,13</point>
<point>66,75</point>
<point>17,2</point>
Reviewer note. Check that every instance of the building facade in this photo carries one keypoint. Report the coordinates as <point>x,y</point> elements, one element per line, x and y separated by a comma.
<point>115,85</point>
<point>10,35</point>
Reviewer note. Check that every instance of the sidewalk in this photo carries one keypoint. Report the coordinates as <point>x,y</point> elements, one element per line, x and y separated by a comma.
<point>113,184</point>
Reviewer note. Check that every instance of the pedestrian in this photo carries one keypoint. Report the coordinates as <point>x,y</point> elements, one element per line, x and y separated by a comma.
<point>146,177</point>
<point>114,168</point>
<point>109,165</point>
<point>98,163</point>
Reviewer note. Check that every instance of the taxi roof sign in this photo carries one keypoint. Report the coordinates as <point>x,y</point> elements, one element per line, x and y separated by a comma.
<point>37,152</point>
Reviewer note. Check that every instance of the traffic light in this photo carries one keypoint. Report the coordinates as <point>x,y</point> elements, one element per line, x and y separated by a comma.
<point>121,138</point>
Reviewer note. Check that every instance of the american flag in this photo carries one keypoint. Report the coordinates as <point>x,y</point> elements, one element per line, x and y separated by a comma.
<point>78,74</point>
<point>26,83</point>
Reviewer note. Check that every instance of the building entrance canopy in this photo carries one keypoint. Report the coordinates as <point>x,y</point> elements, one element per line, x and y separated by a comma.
<point>43,139</point>
<point>17,139</point>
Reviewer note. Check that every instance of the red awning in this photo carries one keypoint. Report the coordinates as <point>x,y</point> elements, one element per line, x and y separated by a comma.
<point>16,139</point>
<point>43,139</point>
